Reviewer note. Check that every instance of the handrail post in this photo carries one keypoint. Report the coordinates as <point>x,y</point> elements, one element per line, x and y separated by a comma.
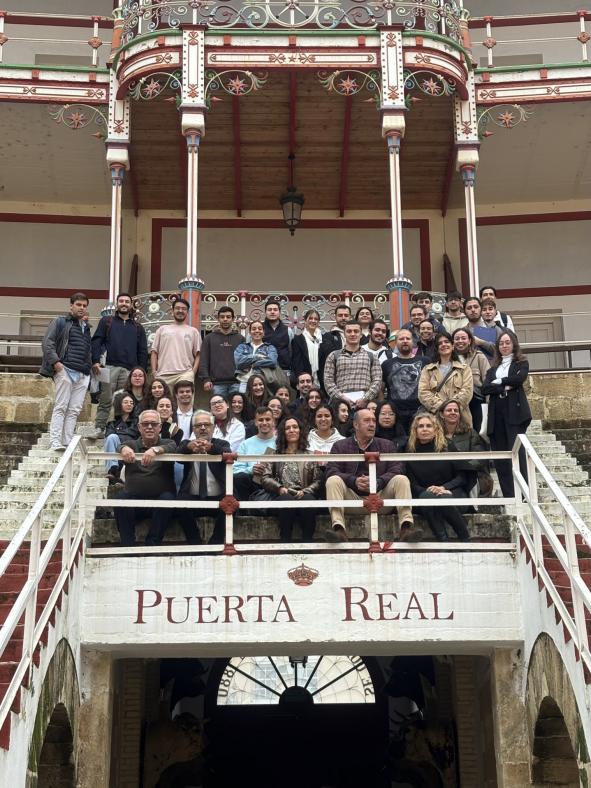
<point>31,611</point>
<point>229,505</point>
<point>532,494</point>
<point>570,544</point>
<point>83,472</point>
<point>374,536</point>
<point>67,534</point>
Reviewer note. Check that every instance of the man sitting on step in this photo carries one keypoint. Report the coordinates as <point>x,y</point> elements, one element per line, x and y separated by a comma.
<point>146,479</point>
<point>350,480</point>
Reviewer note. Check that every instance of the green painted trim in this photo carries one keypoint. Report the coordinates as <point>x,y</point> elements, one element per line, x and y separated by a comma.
<point>145,37</point>
<point>514,69</point>
<point>436,37</point>
<point>83,69</point>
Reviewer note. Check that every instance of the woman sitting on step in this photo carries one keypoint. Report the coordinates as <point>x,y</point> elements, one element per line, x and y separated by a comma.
<point>461,437</point>
<point>122,428</point>
<point>293,481</point>
<point>433,479</point>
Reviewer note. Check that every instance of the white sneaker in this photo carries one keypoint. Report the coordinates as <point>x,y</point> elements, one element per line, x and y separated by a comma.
<point>57,447</point>
<point>95,434</point>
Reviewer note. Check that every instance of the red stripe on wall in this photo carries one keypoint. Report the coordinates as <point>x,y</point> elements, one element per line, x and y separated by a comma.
<point>50,292</point>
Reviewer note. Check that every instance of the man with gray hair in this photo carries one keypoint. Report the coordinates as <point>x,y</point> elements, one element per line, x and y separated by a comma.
<point>146,478</point>
<point>203,480</point>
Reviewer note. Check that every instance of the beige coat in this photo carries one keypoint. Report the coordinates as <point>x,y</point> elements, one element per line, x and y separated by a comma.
<point>459,385</point>
<point>479,364</point>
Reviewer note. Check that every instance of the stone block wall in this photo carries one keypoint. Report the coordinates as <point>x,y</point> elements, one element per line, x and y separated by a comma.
<point>28,399</point>
<point>560,396</point>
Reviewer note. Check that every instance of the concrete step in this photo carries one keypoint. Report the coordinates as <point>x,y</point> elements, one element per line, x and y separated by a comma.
<point>580,493</point>
<point>26,473</point>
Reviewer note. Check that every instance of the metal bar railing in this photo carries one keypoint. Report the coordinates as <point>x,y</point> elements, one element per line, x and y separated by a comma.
<point>29,536</point>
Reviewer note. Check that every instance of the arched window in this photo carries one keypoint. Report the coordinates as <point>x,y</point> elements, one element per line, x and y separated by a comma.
<point>276,680</point>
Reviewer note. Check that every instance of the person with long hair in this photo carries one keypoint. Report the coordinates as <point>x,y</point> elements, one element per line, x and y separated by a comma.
<point>343,417</point>
<point>461,437</point>
<point>137,385</point>
<point>165,407</point>
<point>226,426</point>
<point>388,426</point>
<point>254,355</point>
<point>305,347</point>
<point>365,317</point>
<point>257,394</point>
<point>284,394</point>
<point>465,347</point>
<point>432,479</point>
<point>312,401</point>
<point>239,406</point>
<point>446,378</point>
<point>509,414</point>
<point>122,428</point>
<point>293,481</point>
<point>324,434</point>
<point>158,388</point>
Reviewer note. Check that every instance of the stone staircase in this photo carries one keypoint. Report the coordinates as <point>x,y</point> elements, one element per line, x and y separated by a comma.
<point>15,442</point>
<point>575,436</point>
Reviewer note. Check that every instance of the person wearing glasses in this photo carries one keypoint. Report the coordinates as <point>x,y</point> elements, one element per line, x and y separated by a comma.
<point>146,479</point>
<point>226,426</point>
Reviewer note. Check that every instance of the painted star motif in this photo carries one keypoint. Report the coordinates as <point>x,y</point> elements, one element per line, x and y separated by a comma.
<point>507,119</point>
<point>236,85</point>
<point>348,85</point>
<point>432,87</point>
<point>77,120</point>
<point>152,88</point>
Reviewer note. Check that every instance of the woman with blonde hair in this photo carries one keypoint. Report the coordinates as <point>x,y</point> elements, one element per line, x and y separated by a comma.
<point>432,479</point>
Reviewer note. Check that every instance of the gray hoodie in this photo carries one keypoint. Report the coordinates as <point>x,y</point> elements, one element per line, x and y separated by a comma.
<point>216,363</point>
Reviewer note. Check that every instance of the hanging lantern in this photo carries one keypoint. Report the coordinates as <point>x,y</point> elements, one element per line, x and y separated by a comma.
<point>291,205</point>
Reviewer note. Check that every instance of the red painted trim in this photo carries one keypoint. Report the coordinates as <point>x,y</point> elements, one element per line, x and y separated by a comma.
<point>50,292</point>
<point>237,161</point>
<point>460,83</point>
<point>24,19</point>
<point>548,19</point>
<point>422,225</point>
<point>293,90</point>
<point>167,68</point>
<point>449,174</point>
<point>345,155</point>
<point>49,218</point>
<point>533,218</point>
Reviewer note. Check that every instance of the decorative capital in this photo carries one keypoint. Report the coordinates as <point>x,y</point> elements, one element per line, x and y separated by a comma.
<point>193,137</point>
<point>192,283</point>
<point>399,283</point>
<point>109,309</point>
<point>117,173</point>
<point>394,138</point>
<point>468,173</point>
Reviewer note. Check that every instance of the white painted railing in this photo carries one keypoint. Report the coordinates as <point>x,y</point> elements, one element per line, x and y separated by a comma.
<point>68,536</point>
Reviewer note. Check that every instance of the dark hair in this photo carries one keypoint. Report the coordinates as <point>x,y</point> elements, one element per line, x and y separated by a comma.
<point>181,384</point>
<point>466,331</point>
<point>223,425</point>
<point>78,297</point>
<point>252,322</point>
<point>418,306</point>
<point>472,298</point>
<point>426,320</point>
<point>463,425</point>
<point>181,301</point>
<point>517,354</point>
<point>146,386</point>
<point>243,416</point>
<point>149,401</point>
<point>251,403</point>
<point>396,434</point>
<point>118,400</point>
<point>488,287</point>
<point>282,442</point>
<point>453,294</point>
<point>123,295</point>
<point>300,375</point>
<point>436,356</point>
<point>353,322</point>
<point>361,308</point>
<point>305,412</point>
<point>343,427</point>
<point>424,294</point>
<point>324,406</point>
<point>276,300</point>
<point>226,309</point>
<point>261,410</point>
<point>488,302</point>
<point>381,322</point>
<point>284,410</point>
<point>309,312</point>
<point>342,305</point>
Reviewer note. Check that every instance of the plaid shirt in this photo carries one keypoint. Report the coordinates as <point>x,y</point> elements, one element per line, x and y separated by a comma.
<point>352,371</point>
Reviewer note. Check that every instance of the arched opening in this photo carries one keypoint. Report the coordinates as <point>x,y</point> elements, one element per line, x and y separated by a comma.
<point>56,763</point>
<point>554,761</point>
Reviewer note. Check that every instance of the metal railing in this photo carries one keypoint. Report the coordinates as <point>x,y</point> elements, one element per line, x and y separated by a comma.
<point>558,37</point>
<point>66,536</point>
<point>543,536</point>
<point>19,48</point>
<point>445,17</point>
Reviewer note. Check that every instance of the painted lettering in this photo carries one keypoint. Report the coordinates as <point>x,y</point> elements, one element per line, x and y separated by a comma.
<point>349,602</point>
<point>414,606</point>
<point>204,606</point>
<point>259,619</point>
<point>283,609</point>
<point>384,606</point>
<point>141,605</point>
<point>436,616</point>
<point>169,618</point>
<point>229,608</point>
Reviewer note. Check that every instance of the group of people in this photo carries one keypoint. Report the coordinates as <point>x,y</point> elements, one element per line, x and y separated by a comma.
<point>432,385</point>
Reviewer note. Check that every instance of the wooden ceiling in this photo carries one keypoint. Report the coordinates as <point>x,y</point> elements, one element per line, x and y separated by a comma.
<point>158,152</point>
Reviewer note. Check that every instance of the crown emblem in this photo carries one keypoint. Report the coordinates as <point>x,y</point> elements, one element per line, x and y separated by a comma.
<point>302,575</point>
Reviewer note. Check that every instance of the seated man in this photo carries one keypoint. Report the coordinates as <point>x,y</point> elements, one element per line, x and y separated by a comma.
<point>148,479</point>
<point>244,483</point>
<point>348,480</point>
<point>203,481</point>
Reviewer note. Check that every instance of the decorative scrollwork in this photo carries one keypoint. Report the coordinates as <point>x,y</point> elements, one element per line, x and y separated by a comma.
<point>444,17</point>
<point>429,83</point>
<point>506,116</point>
<point>349,83</point>
<point>234,83</point>
<point>152,86</point>
<point>79,116</point>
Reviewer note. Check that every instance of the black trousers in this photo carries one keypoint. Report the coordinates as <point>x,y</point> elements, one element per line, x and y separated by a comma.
<point>476,412</point>
<point>438,516</point>
<point>502,439</point>
<point>187,520</point>
<point>287,518</point>
<point>127,518</point>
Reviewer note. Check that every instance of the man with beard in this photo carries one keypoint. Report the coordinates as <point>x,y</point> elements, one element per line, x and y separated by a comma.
<point>401,375</point>
<point>175,352</point>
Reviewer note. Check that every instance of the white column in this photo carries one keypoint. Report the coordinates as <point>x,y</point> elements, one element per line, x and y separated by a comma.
<point>394,139</point>
<point>468,172</point>
<point>117,173</point>
<point>193,137</point>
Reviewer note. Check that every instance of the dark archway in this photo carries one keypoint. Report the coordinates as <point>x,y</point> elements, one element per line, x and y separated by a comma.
<point>56,762</point>
<point>554,760</point>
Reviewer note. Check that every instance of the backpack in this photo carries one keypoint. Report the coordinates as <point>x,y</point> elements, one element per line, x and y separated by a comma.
<point>109,323</point>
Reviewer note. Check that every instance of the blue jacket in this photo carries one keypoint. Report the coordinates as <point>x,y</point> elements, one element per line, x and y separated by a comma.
<point>245,357</point>
<point>56,343</point>
<point>124,340</point>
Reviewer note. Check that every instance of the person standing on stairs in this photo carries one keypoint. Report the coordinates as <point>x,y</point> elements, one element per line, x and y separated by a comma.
<point>67,359</point>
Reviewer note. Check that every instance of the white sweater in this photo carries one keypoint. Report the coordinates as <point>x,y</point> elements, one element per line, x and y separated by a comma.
<point>316,443</point>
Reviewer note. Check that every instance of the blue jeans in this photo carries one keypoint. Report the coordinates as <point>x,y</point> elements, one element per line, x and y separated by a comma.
<point>225,389</point>
<point>112,443</point>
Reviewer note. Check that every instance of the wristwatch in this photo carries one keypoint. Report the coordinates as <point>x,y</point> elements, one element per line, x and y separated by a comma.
<point>158,449</point>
